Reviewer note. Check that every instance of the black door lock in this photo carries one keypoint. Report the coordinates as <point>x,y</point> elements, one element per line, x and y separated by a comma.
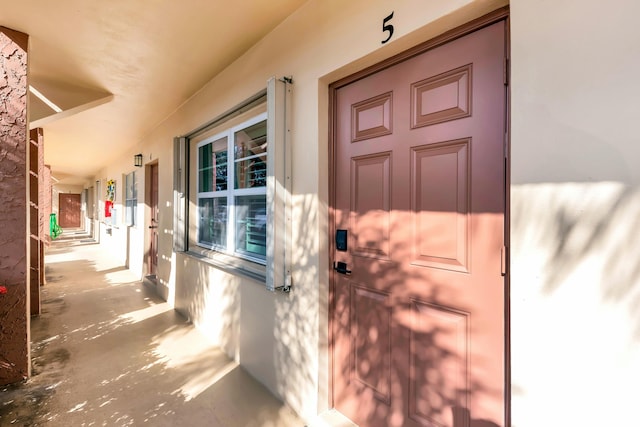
<point>341,240</point>
<point>341,267</point>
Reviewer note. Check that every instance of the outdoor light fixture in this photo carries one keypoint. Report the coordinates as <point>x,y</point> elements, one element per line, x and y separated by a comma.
<point>137,160</point>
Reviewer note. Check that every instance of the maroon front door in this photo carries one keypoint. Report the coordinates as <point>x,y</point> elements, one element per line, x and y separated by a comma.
<point>153,225</point>
<point>69,210</point>
<point>418,315</point>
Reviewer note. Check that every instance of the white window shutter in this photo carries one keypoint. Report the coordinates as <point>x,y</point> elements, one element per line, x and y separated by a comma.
<point>278,184</point>
<point>179,196</point>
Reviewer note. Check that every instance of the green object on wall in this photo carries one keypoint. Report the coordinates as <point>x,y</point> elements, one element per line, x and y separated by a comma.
<point>54,228</point>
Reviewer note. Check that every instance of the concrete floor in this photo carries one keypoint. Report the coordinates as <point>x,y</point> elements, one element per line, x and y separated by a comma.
<point>107,351</point>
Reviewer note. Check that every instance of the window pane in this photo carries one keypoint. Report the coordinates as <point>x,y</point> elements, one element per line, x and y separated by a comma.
<point>212,221</point>
<point>129,213</point>
<point>131,210</point>
<point>212,162</point>
<point>205,168</point>
<point>251,156</point>
<point>251,173</point>
<point>251,225</point>
<point>134,186</point>
<point>131,202</point>
<point>129,186</point>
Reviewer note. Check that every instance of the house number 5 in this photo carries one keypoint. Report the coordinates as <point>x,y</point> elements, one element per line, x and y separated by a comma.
<point>386,27</point>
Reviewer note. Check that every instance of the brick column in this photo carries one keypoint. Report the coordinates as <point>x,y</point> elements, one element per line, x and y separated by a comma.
<point>47,194</point>
<point>14,243</point>
<point>36,165</point>
<point>44,180</point>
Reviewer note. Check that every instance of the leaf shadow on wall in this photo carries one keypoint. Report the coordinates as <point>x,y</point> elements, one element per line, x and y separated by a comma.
<point>583,229</point>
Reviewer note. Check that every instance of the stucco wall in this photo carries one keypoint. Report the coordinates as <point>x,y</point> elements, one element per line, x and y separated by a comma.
<point>575,201</point>
<point>575,266</point>
<point>14,213</point>
<point>282,339</point>
<point>128,243</point>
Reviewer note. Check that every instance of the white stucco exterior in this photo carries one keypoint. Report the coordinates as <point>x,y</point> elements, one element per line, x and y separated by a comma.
<point>575,205</point>
<point>574,202</point>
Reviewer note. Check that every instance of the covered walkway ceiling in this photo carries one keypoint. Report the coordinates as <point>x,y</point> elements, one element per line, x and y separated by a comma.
<point>103,74</point>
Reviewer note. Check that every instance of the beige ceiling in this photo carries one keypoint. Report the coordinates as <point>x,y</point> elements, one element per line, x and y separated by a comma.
<point>117,68</point>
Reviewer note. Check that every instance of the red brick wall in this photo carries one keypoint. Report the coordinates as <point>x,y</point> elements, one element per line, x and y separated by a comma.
<point>14,264</point>
<point>47,193</point>
<point>36,226</point>
<point>42,187</point>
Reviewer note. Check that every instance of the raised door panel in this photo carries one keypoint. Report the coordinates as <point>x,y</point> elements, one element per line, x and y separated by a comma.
<point>439,357</point>
<point>440,205</point>
<point>370,205</point>
<point>371,341</point>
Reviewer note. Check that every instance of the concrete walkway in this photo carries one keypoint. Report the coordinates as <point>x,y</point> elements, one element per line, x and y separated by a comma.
<point>107,352</point>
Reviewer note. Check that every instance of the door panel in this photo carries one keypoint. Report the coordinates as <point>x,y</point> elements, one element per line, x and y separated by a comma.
<point>370,205</point>
<point>439,345</point>
<point>439,205</point>
<point>441,98</point>
<point>371,340</point>
<point>418,324</point>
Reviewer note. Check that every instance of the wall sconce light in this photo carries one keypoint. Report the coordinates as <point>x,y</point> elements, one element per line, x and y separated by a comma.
<point>137,160</point>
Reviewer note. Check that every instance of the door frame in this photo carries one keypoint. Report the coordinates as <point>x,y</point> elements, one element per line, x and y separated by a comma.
<point>147,217</point>
<point>463,30</point>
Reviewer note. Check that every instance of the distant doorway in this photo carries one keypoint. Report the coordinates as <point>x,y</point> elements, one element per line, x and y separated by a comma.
<point>153,222</point>
<point>69,210</point>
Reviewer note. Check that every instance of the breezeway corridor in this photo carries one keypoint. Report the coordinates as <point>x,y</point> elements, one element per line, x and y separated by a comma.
<point>107,351</point>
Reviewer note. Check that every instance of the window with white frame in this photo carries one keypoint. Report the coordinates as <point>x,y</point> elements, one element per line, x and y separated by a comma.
<point>131,199</point>
<point>231,190</point>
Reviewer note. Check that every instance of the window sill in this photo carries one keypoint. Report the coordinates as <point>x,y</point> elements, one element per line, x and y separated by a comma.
<point>230,264</point>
